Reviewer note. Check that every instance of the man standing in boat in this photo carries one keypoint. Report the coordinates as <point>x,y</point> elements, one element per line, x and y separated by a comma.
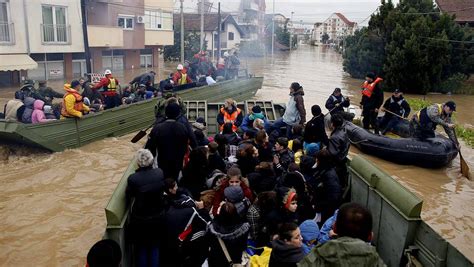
<point>180,77</point>
<point>396,108</point>
<point>423,124</point>
<point>109,86</point>
<point>372,99</point>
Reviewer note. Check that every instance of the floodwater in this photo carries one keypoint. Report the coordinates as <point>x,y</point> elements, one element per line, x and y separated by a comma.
<point>52,204</point>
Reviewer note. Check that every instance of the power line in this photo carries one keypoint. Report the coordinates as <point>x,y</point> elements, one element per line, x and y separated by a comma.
<point>447,40</point>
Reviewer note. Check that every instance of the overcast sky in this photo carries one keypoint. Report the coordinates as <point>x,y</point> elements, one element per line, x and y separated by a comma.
<point>309,11</point>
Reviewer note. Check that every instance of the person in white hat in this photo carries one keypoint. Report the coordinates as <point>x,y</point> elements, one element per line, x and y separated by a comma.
<point>181,77</point>
<point>109,85</point>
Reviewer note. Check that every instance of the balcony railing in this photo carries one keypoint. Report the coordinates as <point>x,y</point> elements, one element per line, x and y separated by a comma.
<point>7,33</point>
<point>55,34</point>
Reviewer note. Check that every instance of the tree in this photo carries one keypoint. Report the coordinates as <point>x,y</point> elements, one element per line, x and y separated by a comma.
<point>411,50</point>
<point>192,42</point>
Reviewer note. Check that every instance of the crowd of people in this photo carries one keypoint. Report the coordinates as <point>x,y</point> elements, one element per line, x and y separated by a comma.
<point>255,193</point>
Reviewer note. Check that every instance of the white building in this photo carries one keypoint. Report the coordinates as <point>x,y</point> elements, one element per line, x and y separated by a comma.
<point>337,26</point>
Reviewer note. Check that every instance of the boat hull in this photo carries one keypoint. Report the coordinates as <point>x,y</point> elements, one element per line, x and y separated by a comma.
<point>71,133</point>
<point>432,153</point>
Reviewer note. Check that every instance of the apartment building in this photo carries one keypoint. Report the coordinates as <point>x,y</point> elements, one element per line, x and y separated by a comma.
<point>37,40</point>
<point>43,39</point>
<point>337,26</point>
<point>128,34</point>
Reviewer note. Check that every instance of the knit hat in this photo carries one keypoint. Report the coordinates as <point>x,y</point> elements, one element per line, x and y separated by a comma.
<point>234,194</point>
<point>144,158</point>
<point>256,109</point>
<point>312,149</point>
<point>172,111</point>
<point>309,230</point>
<point>282,141</point>
<point>104,253</point>
<point>296,86</point>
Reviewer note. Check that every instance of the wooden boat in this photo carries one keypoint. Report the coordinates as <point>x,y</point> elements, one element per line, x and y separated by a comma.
<point>433,153</point>
<point>116,211</point>
<point>70,133</point>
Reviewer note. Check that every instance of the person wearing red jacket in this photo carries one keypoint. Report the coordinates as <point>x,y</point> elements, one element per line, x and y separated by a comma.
<point>109,85</point>
<point>181,77</point>
<point>234,179</point>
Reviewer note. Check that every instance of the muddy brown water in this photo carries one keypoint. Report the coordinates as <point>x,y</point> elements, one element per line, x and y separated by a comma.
<point>52,204</point>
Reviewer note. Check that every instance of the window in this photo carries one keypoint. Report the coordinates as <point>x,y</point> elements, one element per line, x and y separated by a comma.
<point>231,36</point>
<point>6,27</point>
<point>125,22</point>
<point>153,20</point>
<point>54,27</point>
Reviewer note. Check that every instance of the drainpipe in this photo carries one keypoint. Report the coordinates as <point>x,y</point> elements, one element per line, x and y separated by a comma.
<point>27,33</point>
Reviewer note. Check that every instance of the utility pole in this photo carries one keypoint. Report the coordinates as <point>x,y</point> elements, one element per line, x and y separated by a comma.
<point>182,31</point>
<point>219,31</point>
<point>202,25</point>
<point>87,53</point>
<point>273,29</point>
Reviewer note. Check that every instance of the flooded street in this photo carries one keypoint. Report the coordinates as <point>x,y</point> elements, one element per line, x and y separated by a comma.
<point>52,205</point>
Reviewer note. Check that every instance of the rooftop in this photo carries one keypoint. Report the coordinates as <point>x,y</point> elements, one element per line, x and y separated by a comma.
<point>463,9</point>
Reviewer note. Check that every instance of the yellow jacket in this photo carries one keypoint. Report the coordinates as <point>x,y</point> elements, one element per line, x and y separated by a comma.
<point>72,104</point>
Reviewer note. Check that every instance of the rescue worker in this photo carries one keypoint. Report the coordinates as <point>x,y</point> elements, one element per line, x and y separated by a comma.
<point>73,106</point>
<point>230,113</point>
<point>160,106</point>
<point>423,124</point>
<point>48,93</point>
<point>147,79</point>
<point>372,99</point>
<point>109,85</point>
<point>234,64</point>
<point>180,77</point>
<point>337,102</point>
<point>395,104</point>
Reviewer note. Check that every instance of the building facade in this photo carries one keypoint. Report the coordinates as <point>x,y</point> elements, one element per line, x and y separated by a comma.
<point>43,39</point>
<point>336,27</point>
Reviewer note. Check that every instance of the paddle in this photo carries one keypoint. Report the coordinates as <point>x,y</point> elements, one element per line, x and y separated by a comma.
<point>384,110</point>
<point>464,166</point>
<point>140,134</point>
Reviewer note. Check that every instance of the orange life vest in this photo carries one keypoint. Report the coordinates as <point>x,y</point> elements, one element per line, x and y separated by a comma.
<point>230,118</point>
<point>77,106</point>
<point>368,88</point>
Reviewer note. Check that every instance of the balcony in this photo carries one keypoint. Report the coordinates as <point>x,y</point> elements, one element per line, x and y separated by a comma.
<point>105,36</point>
<point>159,37</point>
<point>55,34</point>
<point>7,33</point>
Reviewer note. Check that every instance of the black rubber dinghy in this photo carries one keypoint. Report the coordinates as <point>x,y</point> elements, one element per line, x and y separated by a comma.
<point>432,153</point>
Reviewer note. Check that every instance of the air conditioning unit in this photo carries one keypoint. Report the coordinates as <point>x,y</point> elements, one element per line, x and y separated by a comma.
<point>140,19</point>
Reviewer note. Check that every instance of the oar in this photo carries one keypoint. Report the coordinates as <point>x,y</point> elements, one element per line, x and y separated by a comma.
<point>330,111</point>
<point>394,114</point>
<point>464,166</point>
<point>140,134</point>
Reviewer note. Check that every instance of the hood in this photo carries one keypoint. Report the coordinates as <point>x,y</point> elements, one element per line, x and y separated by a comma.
<point>343,247</point>
<point>38,104</point>
<point>29,101</point>
<point>199,126</point>
<point>283,252</point>
<point>309,230</point>
<point>229,233</point>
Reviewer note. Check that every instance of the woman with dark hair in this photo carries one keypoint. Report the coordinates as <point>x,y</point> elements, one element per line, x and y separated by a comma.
<point>287,250</point>
<point>264,147</point>
<point>327,192</point>
<point>234,178</point>
<point>195,173</point>
<point>227,233</point>
<point>247,159</point>
<point>263,179</point>
<point>258,211</point>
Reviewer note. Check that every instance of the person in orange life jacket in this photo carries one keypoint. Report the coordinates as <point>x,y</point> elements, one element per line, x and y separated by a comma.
<point>110,85</point>
<point>395,104</point>
<point>73,105</point>
<point>181,77</point>
<point>423,124</point>
<point>372,99</point>
<point>337,102</point>
<point>230,113</point>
